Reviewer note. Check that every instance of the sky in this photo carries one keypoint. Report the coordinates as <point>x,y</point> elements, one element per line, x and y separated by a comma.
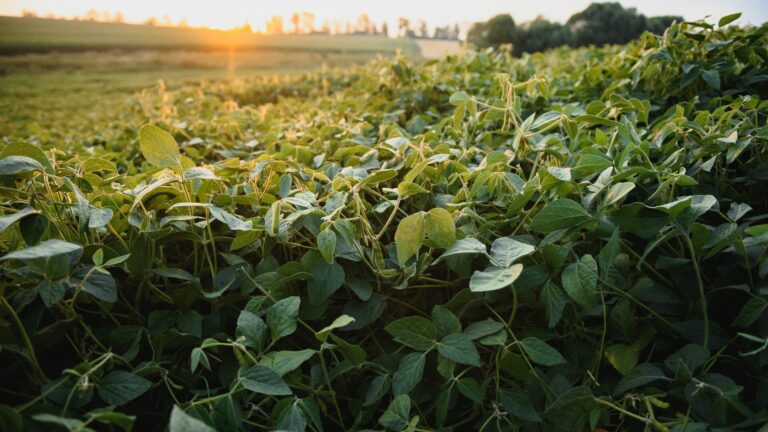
<point>226,14</point>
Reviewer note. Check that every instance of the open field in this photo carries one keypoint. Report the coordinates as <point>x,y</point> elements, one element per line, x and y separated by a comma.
<point>39,34</point>
<point>43,91</point>
<point>575,240</point>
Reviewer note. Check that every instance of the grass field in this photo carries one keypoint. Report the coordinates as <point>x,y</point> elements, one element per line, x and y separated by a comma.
<point>53,69</point>
<point>39,34</point>
<point>42,91</point>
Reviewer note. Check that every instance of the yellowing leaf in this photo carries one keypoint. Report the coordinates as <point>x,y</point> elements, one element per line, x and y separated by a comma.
<point>440,227</point>
<point>409,237</point>
<point>158,147</point>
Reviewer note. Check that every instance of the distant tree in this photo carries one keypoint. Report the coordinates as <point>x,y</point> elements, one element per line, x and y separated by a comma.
<point>598,24</point>
<point>423,30</point>
<point>326,28</point>
<point>275,25</point>
<point>498,30</point>
<point>151,21</point>
<point>455,32</point>
<point>606,23</point>
<point>384,29</point>
<point>92,15</point>
<point>363,24</point>
<point>308,22</point>
<point>541,34</point>
<point>296,22</point>
<point>118,17</point>
<point>404,27</point>
<point>659,24</point>
<point>440,32</point>
<point>28,14</point>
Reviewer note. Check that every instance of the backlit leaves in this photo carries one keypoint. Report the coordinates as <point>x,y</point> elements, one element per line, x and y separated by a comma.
<point>409,237</point>
<point>158,147</point>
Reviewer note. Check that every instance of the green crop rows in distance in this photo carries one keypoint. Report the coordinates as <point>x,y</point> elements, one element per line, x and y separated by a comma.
<point>571,240</point>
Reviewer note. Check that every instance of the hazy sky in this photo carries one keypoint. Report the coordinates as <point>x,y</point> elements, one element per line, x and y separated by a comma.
<point>231,13</point>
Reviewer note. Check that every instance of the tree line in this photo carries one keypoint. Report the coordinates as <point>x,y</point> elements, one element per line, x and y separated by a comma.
<point>598,24</point>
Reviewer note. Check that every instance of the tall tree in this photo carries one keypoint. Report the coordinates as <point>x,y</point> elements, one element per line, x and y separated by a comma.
<point>606,23</point>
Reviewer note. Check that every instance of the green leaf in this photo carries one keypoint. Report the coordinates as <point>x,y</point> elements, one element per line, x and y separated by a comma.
<point>233,222</point>
<point>445,321</point>
<point>591,163</point>
<point>566,400</point>
<point>282,316</point>
<point>562,174</point>
<point>406,189</point>
<point>263,380</point>
<point>46,249</point>
<point>378,176</point>
<point>554,302</point>
<point>283,362</point>
<point>10,419</point>
<point>440,227</point>
<point>252,328</point>
<point>494,278</point>
<point>409,373</point>
<point>712,78</point>
<point>13,165</point>
<point>326,280</point>
<point>724,21</point>
<point>622,357</point>
<point>580,281</point>
<point>617,192</point>
<point>30,151</point>
<point>561,214</point>
<point>465,246</point>
<point>459,98</point>
<point>326,243</point>
<point>540,352</point>
<point>69,423</point>
<point>183,422</point>
<point>505,251</point>
<point>609,252</point>
<point>395,418</point>
<point>471,390</point>
<point>459,348</point>
<point>642,374</point>
<point>338,323</point>
<point>175,273</point>
<point>292,419</point>
<point>409,237</point>
<point>197,357</point>
<point>416,332</point>
<point>51,292</point>
<point>100,285</point>
<point>120,387</point>
<point>99,217</point>
<point>376,390</point>
<point>484,328</point>
<point>158,147</point>
<point>8,220</point>
<point>199,173</point>
<point>518,404</point>
<point>750,312</point>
